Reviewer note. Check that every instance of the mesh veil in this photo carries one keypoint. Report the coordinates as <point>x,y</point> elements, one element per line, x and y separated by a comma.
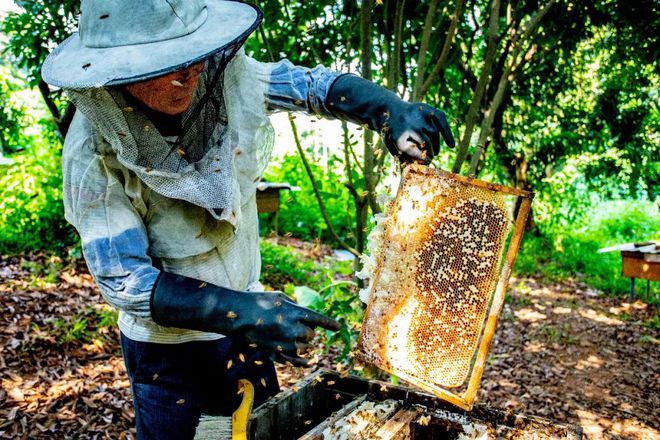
<point>225,143</point>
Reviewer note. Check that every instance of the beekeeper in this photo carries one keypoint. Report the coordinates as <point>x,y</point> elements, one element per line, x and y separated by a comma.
<point>160,164</point>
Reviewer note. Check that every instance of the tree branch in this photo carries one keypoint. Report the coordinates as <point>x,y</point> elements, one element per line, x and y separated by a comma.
<point>451,32</point>
<point>309,172</point>
<point>366,50</point>
<point>347,155</point>
<point>317,193</point>
<point>355,158</point>
<point>349,169</point>
<point>424,47</point>
<point>491,49</point>
<point>262,33</point>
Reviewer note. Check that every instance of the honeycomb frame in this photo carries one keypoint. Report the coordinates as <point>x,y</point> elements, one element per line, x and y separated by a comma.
<point>433,309</point>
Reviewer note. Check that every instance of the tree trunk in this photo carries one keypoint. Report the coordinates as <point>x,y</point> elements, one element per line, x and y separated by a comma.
<point>63,128</point>
<point>317,193</point>
<point>67,117</point>
<point>512,164</point>
<point>468,76</point>
<point>512,65</point>
<point>362,213</point>
<point>424,47</point>
<point>440,63</point>
<point>475,106</point>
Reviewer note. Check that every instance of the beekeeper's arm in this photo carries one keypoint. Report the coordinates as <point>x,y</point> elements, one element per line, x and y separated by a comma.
<point>115,245</point>
<point>114,238</point>
<point>411,131</point>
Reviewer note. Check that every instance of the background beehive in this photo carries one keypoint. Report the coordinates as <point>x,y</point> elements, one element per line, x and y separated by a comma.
<point>437,268</point>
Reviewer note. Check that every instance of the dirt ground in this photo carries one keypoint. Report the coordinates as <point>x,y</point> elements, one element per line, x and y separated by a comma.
<point>562,351</point>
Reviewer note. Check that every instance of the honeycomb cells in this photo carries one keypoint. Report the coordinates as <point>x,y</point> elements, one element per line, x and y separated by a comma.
<point>455,272</point>
<point>436,273</point>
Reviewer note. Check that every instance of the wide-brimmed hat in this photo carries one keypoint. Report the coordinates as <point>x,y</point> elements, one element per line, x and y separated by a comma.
<point>125,41</point>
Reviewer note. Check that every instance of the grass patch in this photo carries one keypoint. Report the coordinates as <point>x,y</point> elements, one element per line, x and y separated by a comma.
<point>281,267</point>
<point>573,253</point>
<point>653,323</point>
<point>555,334</point>
<point>647,339</point>
<point>83,327</point>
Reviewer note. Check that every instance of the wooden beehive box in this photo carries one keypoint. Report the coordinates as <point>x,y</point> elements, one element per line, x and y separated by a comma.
<point>319,401</point>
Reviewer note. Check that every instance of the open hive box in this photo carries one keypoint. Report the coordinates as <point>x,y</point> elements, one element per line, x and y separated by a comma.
<point>445,253</point>
<point>332,406</point>
<point>441,272</point>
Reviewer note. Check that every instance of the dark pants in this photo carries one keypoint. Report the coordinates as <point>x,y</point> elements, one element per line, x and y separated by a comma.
<point>173,384</point>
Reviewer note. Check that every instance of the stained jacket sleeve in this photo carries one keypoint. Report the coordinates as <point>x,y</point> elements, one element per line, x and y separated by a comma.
<point>114,239</point>
<point>295,88</point>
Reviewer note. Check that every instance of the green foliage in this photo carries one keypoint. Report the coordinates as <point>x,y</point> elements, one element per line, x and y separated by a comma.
<point>31,209</point>
<point>321,287</point>
<point>281,267</point>
<point>339,300</point>
<point>573,251</point>
<point>293,30</point>
<point>106,317</point>
<point>31,34</point>
<point>299,213</point>
<point>647,339</point>
<point>587,116</point>
<point>12,114</point>
<point>43,272</point>
<point>555,334</point>
<point>33,31</point>
<point>71,330</point>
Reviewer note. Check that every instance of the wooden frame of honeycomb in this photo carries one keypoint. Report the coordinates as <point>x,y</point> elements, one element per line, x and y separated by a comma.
<point>441,274</point>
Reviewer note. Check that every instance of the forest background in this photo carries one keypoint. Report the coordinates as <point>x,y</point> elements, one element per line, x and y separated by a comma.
<point>558,97</point>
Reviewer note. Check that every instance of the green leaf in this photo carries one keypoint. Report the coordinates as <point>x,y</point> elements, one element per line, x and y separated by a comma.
<point>309,298</point>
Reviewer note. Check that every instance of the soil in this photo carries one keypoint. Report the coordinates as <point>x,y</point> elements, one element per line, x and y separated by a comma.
<point>562,351</point>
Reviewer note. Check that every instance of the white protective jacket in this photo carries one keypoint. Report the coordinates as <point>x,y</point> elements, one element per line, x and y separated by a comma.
<point>130,231</point>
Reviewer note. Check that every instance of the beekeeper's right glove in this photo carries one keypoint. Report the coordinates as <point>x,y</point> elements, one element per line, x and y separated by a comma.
<point>269,321</point>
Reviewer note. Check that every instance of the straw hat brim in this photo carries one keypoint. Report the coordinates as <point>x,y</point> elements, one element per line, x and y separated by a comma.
<point>74,66</point>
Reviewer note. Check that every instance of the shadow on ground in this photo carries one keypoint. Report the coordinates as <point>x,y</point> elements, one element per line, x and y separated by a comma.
<point>561,351</point>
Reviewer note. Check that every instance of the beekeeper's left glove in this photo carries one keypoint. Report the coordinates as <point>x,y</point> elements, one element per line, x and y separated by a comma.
<point>410,130</point>
<point>267,320</point>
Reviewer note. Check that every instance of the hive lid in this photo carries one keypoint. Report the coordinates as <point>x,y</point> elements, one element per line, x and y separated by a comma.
<point>646,247</point>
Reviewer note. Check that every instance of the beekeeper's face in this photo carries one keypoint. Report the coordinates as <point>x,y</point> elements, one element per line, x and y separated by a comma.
<point>170,94</point>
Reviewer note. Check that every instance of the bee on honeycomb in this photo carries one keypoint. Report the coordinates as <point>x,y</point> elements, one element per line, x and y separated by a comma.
<point>436,261</point>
